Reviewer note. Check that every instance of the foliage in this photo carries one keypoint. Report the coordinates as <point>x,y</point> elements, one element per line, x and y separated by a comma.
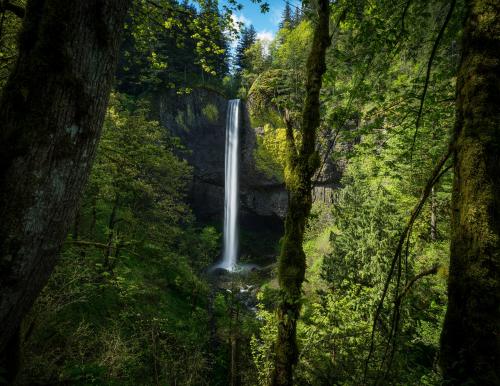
<point>349,246</point>
<point>125,304</point>
<point>10,25</point>
<point>262,346</point>
<point>372,90</point>
<point>269,153</point>
<point>211,112</point>
<point>128,303</point>
<point>173,45</point>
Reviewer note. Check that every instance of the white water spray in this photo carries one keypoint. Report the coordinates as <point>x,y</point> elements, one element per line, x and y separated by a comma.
<point>231,187</point>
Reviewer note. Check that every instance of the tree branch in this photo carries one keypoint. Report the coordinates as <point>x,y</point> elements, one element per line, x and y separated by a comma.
<point>405,11</point>
<point>83,243</point>
<point>428,74</point>
<point>436,174</point>
<point>430,271</point>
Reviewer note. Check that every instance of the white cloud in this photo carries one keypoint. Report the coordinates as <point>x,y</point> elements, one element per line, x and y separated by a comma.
<point>266,37</point>
<point>240,21</point>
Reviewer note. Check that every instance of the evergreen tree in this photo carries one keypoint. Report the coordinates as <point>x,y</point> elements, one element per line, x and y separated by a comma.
<point>297,17</point>
<point>248,38</point>
<point>286,17</point>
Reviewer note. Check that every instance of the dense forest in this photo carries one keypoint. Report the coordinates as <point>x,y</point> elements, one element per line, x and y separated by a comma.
<point>185,201</point>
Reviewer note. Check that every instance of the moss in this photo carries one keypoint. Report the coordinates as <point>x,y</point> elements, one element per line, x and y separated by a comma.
<point>300,169</point>
<point>211,112</point>
<point>469,346</point>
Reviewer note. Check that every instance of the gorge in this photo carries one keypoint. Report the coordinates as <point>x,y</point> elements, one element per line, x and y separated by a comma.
<point>199,120</point>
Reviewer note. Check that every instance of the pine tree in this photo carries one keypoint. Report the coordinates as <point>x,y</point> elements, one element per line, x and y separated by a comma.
<point>286,17</point>
<point>248,38</point>
<point>297,17</point>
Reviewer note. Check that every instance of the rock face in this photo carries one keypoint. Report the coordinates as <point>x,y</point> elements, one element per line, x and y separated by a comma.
<point>260,195</point>
<point>199,120</point>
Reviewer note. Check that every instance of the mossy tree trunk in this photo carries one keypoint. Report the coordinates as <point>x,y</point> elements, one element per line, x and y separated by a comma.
<point>51,113</point>
<point>470,341</point>
<point>302,162</point>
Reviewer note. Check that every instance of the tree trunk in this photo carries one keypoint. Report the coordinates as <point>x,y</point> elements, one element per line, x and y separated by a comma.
<point>51,114</point>
<point>302,164</point>
<point>470,341</point>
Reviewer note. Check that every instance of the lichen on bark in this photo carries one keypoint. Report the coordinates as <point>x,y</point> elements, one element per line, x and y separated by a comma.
<point>51,113</point>
<point>302,163</point>
<point>470,341</point>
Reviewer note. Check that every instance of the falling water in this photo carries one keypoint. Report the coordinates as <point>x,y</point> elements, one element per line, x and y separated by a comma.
<point>230,251</point>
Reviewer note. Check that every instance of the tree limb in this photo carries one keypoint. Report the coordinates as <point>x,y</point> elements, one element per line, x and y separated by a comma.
<point>429,67</point>
<point>83,243</point>
<point>436,174</point>
<point>405,11</point>
<point>430,271</point>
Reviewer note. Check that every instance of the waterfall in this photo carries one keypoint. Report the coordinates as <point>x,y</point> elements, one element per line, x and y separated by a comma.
<point>231,188</point>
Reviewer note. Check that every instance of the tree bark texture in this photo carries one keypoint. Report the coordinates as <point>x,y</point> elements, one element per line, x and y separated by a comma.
<point>51,114</point>
<point>302,162</point>
<point>470,341</point>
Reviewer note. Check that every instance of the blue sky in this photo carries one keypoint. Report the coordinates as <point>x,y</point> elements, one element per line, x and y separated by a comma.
<point>266,24</point>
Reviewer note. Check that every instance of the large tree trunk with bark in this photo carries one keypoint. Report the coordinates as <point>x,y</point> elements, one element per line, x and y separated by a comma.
<point>302,163</point>
<point>51,113</point>
<point>470,341</point>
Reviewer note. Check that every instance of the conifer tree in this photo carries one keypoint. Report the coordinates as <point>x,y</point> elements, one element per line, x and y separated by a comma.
<point>286,17</point>
<point>248,38</point>
<point>297,17</point>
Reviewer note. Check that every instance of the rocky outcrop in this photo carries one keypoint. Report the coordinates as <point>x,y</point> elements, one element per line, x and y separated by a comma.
<point>260,194</point>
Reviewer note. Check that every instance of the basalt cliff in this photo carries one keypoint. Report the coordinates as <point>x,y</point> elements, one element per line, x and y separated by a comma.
<point>199,120</point>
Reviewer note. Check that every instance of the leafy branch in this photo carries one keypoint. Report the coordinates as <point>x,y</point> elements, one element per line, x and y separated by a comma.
<point>436,174</point>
